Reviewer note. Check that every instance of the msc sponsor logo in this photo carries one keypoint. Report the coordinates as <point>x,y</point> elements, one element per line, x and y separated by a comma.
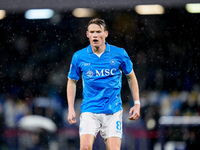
<point>103,72</point>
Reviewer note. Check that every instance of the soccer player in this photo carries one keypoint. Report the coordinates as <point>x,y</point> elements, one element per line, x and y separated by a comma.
<point>100,65</point>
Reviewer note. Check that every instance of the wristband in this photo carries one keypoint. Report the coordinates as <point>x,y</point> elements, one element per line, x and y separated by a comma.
<point>137,102</point>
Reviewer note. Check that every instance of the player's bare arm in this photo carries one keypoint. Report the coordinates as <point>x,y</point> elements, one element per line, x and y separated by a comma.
<point>133,85</point>
<point>71,92</point>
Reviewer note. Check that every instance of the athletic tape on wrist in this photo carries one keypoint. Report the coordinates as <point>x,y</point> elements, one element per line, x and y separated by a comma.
<point>137,102</point>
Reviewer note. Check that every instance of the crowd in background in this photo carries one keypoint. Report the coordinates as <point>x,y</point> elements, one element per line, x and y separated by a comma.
<point>36,55</point>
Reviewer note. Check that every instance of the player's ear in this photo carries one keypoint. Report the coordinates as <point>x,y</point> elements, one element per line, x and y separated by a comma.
<point>106,32</point>
<point>87,34</point>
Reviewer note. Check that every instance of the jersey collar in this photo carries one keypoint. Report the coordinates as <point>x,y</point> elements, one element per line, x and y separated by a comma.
<point>89,48</point>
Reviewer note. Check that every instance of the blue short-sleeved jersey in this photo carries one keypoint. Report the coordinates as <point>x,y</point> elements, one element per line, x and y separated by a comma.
<point>101,77</point>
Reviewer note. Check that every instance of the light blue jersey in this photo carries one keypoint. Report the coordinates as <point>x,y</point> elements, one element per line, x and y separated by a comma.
<point>101,77</point>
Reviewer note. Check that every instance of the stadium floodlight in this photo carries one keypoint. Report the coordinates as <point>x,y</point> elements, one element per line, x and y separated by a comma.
<point>193,7</point>
<point>39,14</point>
<point>2,14</point>
<point>149,9</point>
<point>83,12</point>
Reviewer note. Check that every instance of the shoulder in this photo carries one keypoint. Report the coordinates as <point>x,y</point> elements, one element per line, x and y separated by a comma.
<point>118,50</point>
<point>80,53</point>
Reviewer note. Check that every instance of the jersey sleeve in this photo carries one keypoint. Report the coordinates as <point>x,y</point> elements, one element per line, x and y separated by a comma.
<point>127,65</point>
<point>74,71</point>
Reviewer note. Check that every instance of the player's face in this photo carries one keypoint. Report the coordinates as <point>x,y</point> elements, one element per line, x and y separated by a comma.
<point>96,35</point>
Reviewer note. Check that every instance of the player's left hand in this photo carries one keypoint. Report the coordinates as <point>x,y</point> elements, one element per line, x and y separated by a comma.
<point>134,112</point>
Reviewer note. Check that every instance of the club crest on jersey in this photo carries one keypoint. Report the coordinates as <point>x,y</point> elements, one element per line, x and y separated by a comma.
<point>112,61</point>
<point>90,73</point>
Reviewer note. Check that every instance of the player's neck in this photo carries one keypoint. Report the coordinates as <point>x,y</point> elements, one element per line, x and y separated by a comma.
<point>99,50</point>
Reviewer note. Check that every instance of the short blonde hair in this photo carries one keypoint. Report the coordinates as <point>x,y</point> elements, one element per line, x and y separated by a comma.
<point>99,22</point>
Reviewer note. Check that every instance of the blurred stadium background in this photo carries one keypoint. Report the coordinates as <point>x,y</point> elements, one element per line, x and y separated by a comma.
<point>162,39</point>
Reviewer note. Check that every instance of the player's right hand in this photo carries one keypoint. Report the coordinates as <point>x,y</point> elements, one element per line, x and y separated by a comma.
<point>71,117</point>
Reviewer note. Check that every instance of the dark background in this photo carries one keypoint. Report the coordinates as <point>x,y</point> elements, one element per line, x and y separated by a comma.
<point>35,56</point>
<point>164,49</point>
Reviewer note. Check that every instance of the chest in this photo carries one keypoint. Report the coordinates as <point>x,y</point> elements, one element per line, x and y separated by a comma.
<point>106,65</point>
